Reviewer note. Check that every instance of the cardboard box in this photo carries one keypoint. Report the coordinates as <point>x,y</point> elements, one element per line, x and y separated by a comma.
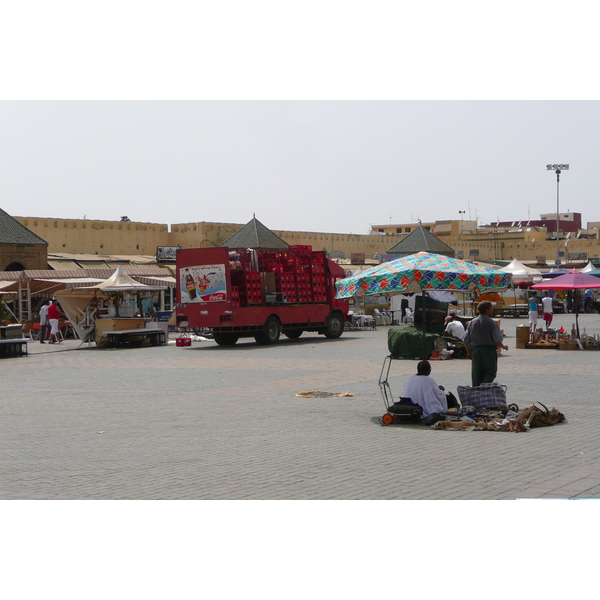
<point>567,346</point>
<point>268,281</point>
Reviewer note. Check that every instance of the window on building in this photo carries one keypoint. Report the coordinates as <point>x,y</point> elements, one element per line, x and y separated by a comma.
<point>381,230</point>
<point>398,229</point>
<point>407,230</point>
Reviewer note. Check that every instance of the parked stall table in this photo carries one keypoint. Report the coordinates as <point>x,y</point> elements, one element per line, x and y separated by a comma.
<point>127,337</point>
<point>105,326</point>
<point>12,342</point>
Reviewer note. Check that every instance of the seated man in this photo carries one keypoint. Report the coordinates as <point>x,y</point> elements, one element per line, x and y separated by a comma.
<point>424,391</point>
<point>453,335</point>
<point>454,327</point>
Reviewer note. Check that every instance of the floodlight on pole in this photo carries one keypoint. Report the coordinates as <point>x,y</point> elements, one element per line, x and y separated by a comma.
<point>557,169</point>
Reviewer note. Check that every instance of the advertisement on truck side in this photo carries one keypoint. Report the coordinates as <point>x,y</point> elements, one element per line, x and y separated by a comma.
<point>203,283</point>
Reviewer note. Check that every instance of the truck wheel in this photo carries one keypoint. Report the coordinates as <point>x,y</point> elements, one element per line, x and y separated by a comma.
<point>334,326</point>
<point>293,334</point>
<point>225,339</point>
<point>270,333</point>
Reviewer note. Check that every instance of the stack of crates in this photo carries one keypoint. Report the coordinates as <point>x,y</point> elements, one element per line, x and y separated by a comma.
<point>319,287</point>
<point>300,260</point>
<point>304,286</point>
<point>248,286</point>
<point>272,261</point>
<point>285,284</point>
<point>235,296</point>
<point>253,288</point>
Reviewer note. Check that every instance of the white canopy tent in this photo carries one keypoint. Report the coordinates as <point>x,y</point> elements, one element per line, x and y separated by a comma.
<point>119,281</point>
<point>589,267</point>
<point>521,271</point>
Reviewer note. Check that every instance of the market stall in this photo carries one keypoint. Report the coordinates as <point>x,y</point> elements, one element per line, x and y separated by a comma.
<point>118,304</point>
<point>423,272</point>
<point>523,277</point>
<point>573,281</point>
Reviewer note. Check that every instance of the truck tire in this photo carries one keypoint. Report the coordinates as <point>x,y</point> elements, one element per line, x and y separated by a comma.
<point>271,332</point>
<point>293,334</point>
<point>334,326</point>
<point>225,339</point>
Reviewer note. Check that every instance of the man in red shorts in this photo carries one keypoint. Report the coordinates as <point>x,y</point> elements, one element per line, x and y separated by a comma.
<point>54,314</point>
<point>548,310</point>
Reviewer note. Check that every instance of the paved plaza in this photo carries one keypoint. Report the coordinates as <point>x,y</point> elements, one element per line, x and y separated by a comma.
<point>210,422</point>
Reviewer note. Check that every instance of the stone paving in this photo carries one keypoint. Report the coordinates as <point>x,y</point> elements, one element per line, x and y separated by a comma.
<point>210,422</point>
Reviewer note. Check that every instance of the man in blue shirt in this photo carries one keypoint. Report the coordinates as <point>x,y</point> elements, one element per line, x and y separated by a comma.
<point>482,340</point>
<point>533,312</point>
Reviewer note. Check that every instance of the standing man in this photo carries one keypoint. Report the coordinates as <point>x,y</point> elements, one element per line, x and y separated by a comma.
<point>588,298</point>
<point>54,315</point>
<point>533,312</point>
<point>548,310</point>
<point>44,324</point>
<point>482,339</point>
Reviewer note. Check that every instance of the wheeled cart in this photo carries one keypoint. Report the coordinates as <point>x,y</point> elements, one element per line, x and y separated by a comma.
<point>395,412</point>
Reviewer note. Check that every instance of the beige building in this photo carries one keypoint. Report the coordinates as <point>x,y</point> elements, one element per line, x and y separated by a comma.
<point>20,248</point>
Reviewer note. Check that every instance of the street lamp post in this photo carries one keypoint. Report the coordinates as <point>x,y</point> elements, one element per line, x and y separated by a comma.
<point>557,169</point>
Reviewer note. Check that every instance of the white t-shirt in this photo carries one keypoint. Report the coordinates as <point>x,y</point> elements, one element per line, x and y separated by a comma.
<point>424,391</point>
<point>456,328</point>
<point>44,315</point>
<point>547,304</point>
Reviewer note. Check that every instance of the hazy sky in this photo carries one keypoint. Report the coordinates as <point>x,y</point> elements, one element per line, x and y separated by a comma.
<point>335,166</point>
<point>329,116</point>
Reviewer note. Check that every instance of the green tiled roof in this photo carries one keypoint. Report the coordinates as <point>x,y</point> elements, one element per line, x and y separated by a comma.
<point>421,240</point>
<point>12,232</point>
<point>255,235</point>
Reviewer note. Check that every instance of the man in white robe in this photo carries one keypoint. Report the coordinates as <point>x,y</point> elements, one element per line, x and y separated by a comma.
<point>424,391</point>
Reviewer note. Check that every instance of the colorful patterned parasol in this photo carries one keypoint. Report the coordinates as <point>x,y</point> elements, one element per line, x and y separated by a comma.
<point>423,272</point>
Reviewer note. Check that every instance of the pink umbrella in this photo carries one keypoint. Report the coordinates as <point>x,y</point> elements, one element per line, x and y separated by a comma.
<point>573,280</point>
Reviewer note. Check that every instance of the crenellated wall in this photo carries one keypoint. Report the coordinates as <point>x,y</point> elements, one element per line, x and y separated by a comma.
<point>81,236</point>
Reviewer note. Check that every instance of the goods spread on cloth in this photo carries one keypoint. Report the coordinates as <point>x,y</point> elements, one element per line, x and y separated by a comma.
<point>500,419</point>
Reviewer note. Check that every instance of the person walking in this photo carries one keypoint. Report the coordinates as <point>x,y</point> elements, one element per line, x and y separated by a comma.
<point>548,309</point>
<point>533,312</point>
<point>54,314</point>
<point>482,339</point>
<point>44,324</point>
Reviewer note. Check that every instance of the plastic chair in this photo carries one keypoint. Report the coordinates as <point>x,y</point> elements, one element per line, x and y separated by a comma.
<point>380,318</point>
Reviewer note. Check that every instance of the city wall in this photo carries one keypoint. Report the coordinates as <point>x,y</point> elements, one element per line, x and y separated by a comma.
<point>82,236</point>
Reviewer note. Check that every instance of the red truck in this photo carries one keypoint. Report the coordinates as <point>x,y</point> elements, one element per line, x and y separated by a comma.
<point>258,293</point>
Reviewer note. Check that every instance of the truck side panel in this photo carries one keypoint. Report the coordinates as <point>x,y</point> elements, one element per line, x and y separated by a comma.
<point>216,291</point>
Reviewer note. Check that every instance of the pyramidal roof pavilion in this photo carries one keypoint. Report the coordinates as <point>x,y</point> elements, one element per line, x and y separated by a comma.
<point>421,240</point>
<point>13,232</point>
<point>255,235</point>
